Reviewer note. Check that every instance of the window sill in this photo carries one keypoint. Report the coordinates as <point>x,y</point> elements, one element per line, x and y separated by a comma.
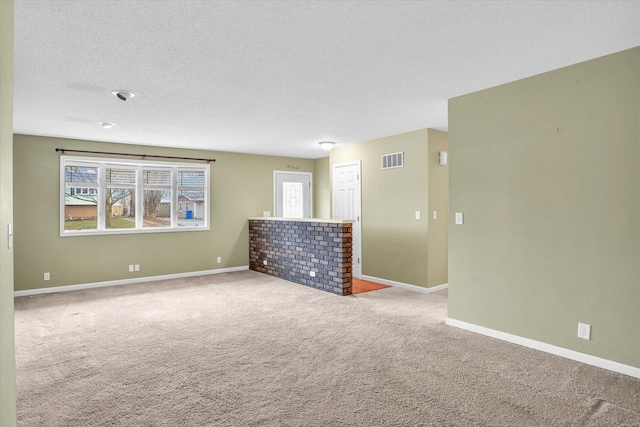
<point>78,233</point>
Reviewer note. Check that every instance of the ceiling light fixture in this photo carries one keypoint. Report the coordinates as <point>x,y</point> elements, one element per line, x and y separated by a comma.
<point>123,95</point>
<point>327,145</point>
<point>106,125</point>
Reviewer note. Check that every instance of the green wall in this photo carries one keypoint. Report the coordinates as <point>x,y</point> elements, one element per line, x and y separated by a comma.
<point>241,187</point>
<point>7,353</point>
<point>438,189</point>
<point>394,243</point>
<point>321,189</point>
<point>547,173</point>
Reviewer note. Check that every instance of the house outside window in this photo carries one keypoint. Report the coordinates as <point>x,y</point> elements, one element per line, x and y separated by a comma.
<point>112,196</point>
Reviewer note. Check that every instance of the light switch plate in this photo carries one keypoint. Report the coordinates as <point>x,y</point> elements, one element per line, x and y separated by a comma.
<point>417,214</point>
<point>459,218</point>
<point>435,215</point>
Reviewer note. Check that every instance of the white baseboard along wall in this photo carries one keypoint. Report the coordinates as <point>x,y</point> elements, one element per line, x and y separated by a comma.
<point>588,359</point>
<point>405,285</point>
<point>126,281</point>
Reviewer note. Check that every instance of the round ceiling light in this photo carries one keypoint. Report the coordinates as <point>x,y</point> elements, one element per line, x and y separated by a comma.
<point>106,125</point>
<point>123,95</point>
<point>327,145</point>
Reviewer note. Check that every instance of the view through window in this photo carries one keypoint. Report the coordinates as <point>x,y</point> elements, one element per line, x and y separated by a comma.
<point>103,196</point>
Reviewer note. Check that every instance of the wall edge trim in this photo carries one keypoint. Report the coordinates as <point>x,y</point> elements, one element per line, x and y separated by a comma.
<point>588,359</point>
<point>405,285</point>
<point>119,282</point>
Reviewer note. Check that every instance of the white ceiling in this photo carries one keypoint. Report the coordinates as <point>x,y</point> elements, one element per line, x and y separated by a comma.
<point>278,77</point>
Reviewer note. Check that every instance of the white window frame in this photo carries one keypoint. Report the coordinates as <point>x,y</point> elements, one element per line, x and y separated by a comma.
<point>103,163</point>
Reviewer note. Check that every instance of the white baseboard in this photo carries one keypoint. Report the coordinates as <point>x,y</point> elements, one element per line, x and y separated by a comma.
<point>405,285</point>
<point>126,281</point>
<point>588,359</point>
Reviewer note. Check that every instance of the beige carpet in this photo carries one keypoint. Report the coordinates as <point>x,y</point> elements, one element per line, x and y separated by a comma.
<point>244,349</point>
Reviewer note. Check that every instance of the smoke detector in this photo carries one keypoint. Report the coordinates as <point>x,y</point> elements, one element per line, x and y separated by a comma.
<point>106,125</point>
<point>123,95</point>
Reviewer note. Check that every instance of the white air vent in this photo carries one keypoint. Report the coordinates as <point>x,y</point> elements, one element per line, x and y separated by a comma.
<point>393,160</point>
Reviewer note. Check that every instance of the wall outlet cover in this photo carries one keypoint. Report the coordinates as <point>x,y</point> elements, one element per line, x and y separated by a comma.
<point>264,262</point>
<point>584,331</point>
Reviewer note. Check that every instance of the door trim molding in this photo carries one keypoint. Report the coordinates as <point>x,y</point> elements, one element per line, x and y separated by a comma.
<point>275,172</point>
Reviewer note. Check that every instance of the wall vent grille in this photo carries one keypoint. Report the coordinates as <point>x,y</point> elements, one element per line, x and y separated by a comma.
<point>393,160</point>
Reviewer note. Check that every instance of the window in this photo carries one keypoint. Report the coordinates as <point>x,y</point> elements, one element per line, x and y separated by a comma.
<point>111,196</point>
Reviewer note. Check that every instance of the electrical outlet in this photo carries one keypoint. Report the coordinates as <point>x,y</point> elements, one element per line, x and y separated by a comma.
<point>219,260</point>
<point>130,268</point>
<point>47,276</point>
<point>312,273</point>
<point>584,331</point>
<point>417,214</point>
<point>459,218</point>
<point>264,262</point>
<point>137,267</point>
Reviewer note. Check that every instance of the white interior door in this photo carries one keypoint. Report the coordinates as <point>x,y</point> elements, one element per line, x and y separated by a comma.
<point>292,194</point>
<point>346,205</point>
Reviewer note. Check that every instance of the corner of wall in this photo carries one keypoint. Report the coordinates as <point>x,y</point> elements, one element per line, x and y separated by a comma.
<point>7,350</point>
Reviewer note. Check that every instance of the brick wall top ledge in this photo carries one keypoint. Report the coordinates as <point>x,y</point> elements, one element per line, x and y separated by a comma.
<point>317,221</point>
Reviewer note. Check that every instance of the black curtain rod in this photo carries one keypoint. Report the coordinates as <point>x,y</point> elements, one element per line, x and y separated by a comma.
<point>64,150</point>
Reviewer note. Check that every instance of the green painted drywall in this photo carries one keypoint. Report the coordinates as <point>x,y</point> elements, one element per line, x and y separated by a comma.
<point>7,352</point>
<point>438,194</point>
<point>321,188</point>
<point>241,187</point>
<point>394,243</point>
<point>547,173</point>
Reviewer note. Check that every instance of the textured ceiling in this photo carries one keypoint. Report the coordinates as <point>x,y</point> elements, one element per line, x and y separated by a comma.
<point>278,77</point>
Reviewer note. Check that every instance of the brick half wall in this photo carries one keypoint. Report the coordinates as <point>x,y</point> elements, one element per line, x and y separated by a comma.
<point>294,249</point>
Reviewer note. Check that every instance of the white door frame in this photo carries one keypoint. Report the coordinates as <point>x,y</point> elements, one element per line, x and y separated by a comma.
<point>275,173</point>
<point>356,271</point>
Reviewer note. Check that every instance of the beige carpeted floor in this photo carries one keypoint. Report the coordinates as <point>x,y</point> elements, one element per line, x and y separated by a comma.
<point>244,349</point>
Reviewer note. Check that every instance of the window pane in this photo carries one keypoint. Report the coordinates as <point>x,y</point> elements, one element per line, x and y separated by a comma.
<point>157,208</point>
<point>157,198</point>
<point>292,200</point>
<point>157,179</point>
<point>120,198</point>
<point>125,178</point>
<point>120,208</point>
<point>191,189</point>
<point>81,198</point>
<point>81,176</point>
